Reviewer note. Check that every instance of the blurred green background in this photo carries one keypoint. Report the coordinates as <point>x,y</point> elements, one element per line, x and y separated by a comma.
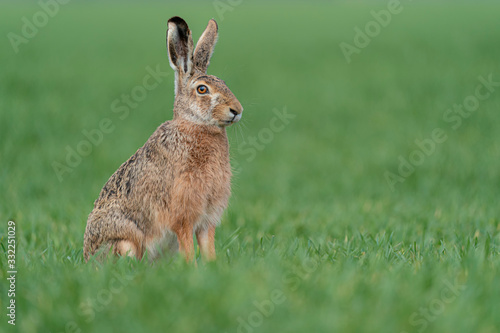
<point>315,238</point>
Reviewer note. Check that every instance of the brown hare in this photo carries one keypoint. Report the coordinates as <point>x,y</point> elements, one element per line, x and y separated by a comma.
<point>178,183</point>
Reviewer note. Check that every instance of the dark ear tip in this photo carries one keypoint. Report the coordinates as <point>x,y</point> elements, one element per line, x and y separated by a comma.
<point>215,22</point>
<point>178,21</point>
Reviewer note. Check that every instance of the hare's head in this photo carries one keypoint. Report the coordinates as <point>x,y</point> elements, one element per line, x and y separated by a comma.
<point>200,98</point>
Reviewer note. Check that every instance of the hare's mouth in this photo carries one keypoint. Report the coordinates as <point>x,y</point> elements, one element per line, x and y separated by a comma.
<point>235,119</point>
<point>227,122</point>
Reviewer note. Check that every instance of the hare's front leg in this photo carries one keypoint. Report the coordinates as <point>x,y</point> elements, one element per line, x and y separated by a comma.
<point>187,207</point>
<point>182,223</point>
<point>205,237</point>
<point>185,238</point>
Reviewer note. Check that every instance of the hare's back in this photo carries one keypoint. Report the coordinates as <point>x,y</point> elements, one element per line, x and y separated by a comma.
<point>148,173</point>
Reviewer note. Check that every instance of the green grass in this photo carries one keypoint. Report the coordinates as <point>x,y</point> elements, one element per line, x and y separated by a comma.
<point>312,222</point>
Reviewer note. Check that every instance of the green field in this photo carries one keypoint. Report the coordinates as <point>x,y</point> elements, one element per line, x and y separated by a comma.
<point>323,232</point>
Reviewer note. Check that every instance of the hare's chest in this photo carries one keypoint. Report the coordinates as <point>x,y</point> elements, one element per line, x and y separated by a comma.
<point>214,178</point>
<point>216,201</point>
<point>210,170</point>
<point>217,182</point>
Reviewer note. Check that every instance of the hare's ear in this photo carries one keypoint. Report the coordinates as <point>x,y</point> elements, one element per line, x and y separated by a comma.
<point>205,46</point>
<point>180,45</point>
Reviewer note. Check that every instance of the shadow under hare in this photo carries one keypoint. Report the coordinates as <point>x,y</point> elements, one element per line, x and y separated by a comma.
<point>178,183</point>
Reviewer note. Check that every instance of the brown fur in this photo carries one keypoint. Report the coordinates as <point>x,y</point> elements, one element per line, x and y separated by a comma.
<point>179,181</point>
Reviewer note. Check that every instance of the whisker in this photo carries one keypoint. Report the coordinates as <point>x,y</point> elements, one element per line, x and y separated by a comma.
<point>240,128</point>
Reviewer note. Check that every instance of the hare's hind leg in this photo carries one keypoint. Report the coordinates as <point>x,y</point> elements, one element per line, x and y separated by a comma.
<point>112,229</point>
<point>126,248</point>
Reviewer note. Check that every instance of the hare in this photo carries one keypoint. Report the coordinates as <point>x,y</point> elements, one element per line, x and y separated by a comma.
<point>178,183</point>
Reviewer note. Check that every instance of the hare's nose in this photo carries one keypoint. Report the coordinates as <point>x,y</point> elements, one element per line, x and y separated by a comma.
<point>236,115</point>
<point>235,107</point>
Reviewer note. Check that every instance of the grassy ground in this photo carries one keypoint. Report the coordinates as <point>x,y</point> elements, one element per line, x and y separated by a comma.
<point>315,239</point>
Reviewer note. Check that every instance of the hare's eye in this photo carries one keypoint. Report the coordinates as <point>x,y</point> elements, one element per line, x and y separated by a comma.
<point>202,89</point>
